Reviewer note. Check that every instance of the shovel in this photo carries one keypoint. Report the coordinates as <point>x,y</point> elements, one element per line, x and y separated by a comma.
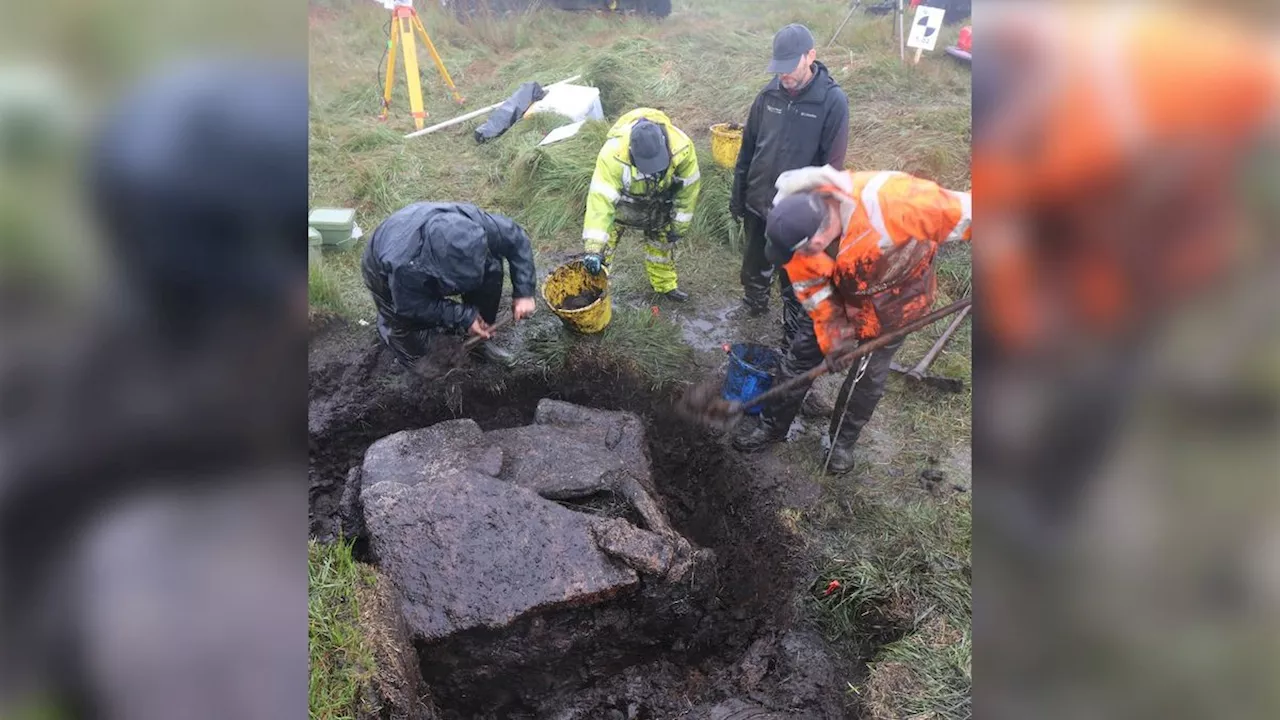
<point>703,403</point>
<point>919,373</point>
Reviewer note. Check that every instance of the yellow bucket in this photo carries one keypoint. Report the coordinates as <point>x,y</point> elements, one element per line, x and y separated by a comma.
<point>572,278</point>
<point>726,141</point>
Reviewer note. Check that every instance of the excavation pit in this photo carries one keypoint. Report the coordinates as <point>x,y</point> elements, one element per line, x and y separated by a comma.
<point>718,640</point>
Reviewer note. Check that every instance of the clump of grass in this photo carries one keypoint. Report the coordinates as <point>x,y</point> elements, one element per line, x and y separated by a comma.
<point>955,270</point>
<point>342,660</point>
<point>373,138</point>
<point>324,289</point>
<point>904,572</point>
<point>711,219</point>
<point>900,566</point>
<point>550,183</point>
<point>523,137</point>
<point>926,674</point>
<point>620,86</point>
<point>635,338</point>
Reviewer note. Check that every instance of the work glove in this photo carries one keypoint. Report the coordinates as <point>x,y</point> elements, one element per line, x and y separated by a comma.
<point>673,237</point>
<point>594,263</point>
<point>736,210</point>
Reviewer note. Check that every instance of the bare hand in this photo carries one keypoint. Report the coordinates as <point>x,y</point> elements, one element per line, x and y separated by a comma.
<point>523,308</point>
<point>480,328</point>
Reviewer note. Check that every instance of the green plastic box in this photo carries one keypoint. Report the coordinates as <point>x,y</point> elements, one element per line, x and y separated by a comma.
<point>314,241</point>
<point>335,225</point>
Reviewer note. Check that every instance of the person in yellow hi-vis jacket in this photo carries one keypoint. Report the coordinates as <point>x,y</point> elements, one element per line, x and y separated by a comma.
<point>646,178</point>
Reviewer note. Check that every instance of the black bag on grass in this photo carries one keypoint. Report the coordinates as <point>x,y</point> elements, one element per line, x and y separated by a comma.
<point>510,112</point>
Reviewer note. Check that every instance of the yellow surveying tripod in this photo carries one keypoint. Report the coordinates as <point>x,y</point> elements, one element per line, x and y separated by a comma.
<point>405,22</point>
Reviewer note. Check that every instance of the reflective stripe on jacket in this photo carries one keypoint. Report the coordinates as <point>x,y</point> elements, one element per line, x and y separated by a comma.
<point>881,276</point>
<point>617,182</point>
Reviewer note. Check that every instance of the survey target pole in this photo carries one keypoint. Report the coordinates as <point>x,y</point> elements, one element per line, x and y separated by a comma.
<point>926,26</point>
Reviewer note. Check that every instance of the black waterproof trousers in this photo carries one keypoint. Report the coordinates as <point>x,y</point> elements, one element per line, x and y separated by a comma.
<point>757,273</point>
<point>801,353</point>
<point>410,343</point>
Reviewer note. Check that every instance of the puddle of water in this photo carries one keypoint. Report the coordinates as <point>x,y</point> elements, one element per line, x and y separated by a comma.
<point>710,330</point>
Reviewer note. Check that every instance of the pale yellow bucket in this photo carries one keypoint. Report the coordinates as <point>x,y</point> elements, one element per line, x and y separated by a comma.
<point>726,141</point>
<point>573,278</point>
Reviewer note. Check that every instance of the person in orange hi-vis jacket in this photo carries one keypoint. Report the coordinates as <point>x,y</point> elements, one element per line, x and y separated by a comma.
<point>1106,146</point>
<point>856,251</point>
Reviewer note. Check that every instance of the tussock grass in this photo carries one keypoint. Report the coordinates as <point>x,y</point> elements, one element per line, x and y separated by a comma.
<point>629,75</point>
<point>926,674</point>
<point>550,183</point>
<point>341,657</point>
<point>908,562</point>
<point>711,219</point>
<point>904,601</point>
<point>635,338</point>
<point>324,288</point>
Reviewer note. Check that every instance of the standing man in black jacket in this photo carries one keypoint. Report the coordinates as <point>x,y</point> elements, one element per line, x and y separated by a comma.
<point>800,119</point>
<point>427,252</point>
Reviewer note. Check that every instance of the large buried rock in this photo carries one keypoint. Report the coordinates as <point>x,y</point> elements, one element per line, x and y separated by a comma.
<point>493,575</point>
<point>471,551</point>
<point>572,452</point>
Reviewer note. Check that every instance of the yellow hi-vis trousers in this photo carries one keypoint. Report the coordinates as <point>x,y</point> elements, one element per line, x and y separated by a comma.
<point>659,258</point>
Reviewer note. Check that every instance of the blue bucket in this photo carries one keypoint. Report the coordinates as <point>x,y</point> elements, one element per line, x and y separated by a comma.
<point>750,373</point>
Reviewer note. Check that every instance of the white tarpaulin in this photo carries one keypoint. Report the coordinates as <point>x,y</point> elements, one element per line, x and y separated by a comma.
<point>576,102</point>
<point>926,27</point>
<point>563,132</point>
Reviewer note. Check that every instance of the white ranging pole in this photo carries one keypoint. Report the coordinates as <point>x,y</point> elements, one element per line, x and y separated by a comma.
<point>474,113</point>
<point>902,42</point>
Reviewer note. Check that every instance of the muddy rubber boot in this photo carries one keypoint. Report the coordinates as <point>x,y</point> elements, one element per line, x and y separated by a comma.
<point>758,435</point>
<point>487,352</point>
<point>755,309</point>
<point>677,295</point>
<point>841,460</point>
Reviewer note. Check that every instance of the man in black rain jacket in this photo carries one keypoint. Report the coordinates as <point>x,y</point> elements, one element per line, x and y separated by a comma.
<point>428,252</point>
<point>800,119</point>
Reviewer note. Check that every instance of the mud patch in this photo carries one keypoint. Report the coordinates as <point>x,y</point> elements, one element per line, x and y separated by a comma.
<point>726,636</point>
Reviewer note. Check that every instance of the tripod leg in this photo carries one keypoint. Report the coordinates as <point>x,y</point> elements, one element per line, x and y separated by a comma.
<point>431,48</point>
<point>411,71</point>
<point>844,22</point>
<point>392,45</point>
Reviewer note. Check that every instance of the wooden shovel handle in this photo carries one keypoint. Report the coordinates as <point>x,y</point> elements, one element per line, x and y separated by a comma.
<point>927,361</point>
<point>476,339</point>
<point>845,354</point>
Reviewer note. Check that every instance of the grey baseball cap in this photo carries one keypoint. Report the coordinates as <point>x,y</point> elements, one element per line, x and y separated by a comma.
<point>649,150</point>
<point>789,45</point>
<point>792,223</point>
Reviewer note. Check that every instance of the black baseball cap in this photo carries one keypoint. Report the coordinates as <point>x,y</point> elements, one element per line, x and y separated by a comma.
<point>791,223</point>
<point>789,45</point>
<point>649,151</point>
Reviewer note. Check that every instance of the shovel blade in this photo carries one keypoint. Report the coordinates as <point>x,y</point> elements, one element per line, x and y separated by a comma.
<point>945,384</point>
